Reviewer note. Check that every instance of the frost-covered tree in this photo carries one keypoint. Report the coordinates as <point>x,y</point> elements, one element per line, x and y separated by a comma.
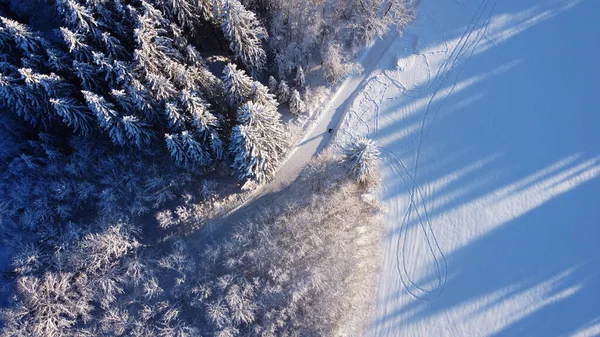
<point>206,125</point>
<point>50,305</point>
<point>23,101</point>
<point>18,37</point>
<point>362,157</point>
<point>106,115</point>
<point>334,64</point>
<point>257,142</point>
<point>124,63</point>
<point>73,114</point>
<point>28,84</point>
<point>245,35</point>
<point>296,103</point>
<point>283,91</point>
<point>300,31</point>
<point>188,13</point>
<point>300,80</point>
<point>187,150</point>
<point>261,95</point>
<point>237,85</point>
<point>138,132</point>
<point>84,278</point>
<point>273,85</point>
<point>274,276</point>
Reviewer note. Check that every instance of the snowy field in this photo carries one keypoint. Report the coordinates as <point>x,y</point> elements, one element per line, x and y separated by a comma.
<point>488,115</point>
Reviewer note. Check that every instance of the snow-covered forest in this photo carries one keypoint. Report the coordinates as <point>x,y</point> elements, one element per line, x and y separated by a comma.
<point>123,123</point>
<point>272,276</point>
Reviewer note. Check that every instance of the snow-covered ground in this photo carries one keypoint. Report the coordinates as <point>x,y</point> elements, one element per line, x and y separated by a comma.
<point>488,115</point>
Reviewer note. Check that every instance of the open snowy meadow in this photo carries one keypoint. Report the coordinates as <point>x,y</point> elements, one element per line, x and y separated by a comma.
<point>488,115</point>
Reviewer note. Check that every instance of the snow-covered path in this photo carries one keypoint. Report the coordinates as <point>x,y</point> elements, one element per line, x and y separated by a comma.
<point>315,140</point>
<point>488,115</point>
<point>330,116</point>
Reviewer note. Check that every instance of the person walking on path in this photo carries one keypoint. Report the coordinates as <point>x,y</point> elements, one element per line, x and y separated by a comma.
<point>330,129</point>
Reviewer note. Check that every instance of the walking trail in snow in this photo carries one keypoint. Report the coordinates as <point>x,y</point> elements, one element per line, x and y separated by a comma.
<point>315,140</point>
<point>330,116</point>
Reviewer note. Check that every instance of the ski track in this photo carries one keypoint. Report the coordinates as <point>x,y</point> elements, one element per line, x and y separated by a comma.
<point>415,210</point>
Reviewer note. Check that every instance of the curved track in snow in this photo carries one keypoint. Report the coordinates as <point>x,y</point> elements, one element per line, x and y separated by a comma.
<point>435,89</point>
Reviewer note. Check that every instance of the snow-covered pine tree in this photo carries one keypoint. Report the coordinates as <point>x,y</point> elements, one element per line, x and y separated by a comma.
<point>24,90</point>
<point>138,132</point>
<point>184,11</point>
<point>299,79</point>
<point>362,157</point>
<point>206,125</point>
<point>187,150</point>
<point>261,95</point>
<point>282,65</point>
<point>257,143</point>
<point>23,101</point>
<point>273,85</point>
<point>249,161</point>
<point>76,15</point>
<point>297,106</point>
<point>209,9</point>
<point>283,91</point>
<point>73,114</point>
<point>107,117</point>
<point>237,85</point>
<point>16,36</point>
<point>174,116</point>
<point>189,13</point>
<point>245,34</point>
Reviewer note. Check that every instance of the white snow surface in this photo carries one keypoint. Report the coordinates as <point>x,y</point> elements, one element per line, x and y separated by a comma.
<point>488,116</point>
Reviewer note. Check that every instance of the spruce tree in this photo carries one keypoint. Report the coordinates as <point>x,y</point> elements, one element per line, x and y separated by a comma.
<point>299,79</point>
<point>273,85</point>
<point>257,143</point>
<point>283,91</point>
<point>261,95</point>
<point>73,114</point>
<point>362,157</point>
<point>237,85</point>
<point>245,35</point>
<point>297,106</point>
<point>186,150</point>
